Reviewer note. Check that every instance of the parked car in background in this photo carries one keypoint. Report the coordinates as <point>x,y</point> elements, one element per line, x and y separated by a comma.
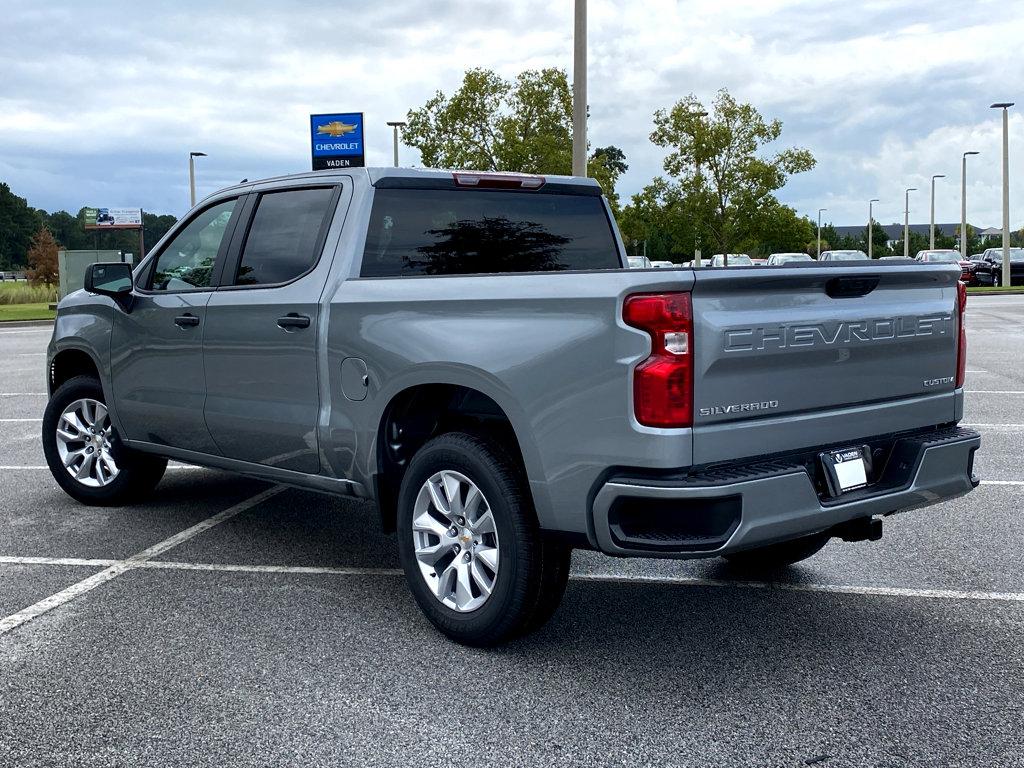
<point>988,269</point>
<point>664,264</point>
<point>892,259</point>
<point>735,260</point>
<point>774,260</point>
<point>968,269</point>
<point>842,256</point>
<point>638,262</point>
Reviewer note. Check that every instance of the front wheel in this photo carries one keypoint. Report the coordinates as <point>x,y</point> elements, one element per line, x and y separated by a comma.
<point>475,559</point>
<point>84,452</point>
<point>778,556</point>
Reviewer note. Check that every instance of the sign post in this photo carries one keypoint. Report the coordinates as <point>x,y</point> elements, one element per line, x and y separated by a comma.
<point>337,140</point>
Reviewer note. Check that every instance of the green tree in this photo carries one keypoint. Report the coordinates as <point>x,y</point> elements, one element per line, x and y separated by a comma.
<point>721,158</point>
<point>665,218</point>
<point>781,230</point>
<point>18,224</point>
<point>493,124</point>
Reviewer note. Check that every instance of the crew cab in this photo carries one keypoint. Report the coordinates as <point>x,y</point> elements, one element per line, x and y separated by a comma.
<point>471,352</point>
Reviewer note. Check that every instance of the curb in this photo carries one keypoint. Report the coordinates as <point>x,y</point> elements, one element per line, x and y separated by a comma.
<point>996,293</point>
<point>25,323</point>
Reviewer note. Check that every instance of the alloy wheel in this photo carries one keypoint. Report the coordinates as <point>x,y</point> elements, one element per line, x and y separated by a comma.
<point>455,540</point>
<point>84,440</point>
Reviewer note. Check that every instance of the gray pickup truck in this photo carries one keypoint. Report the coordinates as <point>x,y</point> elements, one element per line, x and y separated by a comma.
<point>470,351</point>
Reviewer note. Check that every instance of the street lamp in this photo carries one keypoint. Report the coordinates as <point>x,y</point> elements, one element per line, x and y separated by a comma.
<point>931,227</point>
<point>700,185</point>
<point>396,124</point>
<point>579,90</point>
<point>963,205</point>
<point>818,255</point>
<point>871,225</point>
<point>192,175</point>
<point>1005,106</point>
<point>906,222</point>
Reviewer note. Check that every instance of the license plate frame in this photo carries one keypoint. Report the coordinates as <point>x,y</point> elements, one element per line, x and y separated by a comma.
<point>846,469</point>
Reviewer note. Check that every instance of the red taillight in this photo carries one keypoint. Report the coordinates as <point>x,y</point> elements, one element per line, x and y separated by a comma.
<point>961,348</point>
<point>663,382</point>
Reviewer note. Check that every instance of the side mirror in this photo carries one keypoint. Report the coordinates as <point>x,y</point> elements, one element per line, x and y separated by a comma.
<point>109,279</point>
<point>113,279</point>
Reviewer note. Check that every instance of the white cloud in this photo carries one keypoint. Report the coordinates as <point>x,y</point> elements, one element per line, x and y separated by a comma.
<point>104,106</point>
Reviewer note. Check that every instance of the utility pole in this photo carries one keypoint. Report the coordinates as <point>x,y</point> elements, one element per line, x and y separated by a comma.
<point>931,227</point>
<point>871,225</point>
<point>192,176</point>
<point>579,90</point>
<point>906,222</point>
<point>396,124</point>
<point>963,206</point>
<point>818,255</point>
<point>1005,106</point>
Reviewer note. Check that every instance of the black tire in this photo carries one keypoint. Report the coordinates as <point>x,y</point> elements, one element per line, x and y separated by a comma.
<point>555,564</point>
<point>779,556</point>
<point>138,473</point>
<point>532,570</point>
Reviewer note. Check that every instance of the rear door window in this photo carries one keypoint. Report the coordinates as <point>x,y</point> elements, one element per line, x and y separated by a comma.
<point>461,232</point>
<point>285,236</point>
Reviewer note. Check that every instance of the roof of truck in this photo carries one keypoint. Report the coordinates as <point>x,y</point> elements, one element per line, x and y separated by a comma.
<point>377,174</point>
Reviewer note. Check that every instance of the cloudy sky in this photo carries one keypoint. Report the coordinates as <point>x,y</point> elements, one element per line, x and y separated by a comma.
<point>101,102</point>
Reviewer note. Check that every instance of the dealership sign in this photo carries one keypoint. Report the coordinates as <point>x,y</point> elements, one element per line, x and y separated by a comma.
<point>113,218</point>
<point>337,140</point>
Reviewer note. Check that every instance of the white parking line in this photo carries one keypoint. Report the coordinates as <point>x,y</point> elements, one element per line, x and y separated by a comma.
<point>34,560</point>
<point>45,467</point>
<point>869,590</point>
<point>993,426</point>
<point>21,419</point>
<point>994,392</point>
<point>11,395</point>
<point>120,567</point>
<point>1002,483</point>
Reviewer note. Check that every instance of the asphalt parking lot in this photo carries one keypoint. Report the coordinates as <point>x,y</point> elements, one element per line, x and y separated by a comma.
<point>231,622</point>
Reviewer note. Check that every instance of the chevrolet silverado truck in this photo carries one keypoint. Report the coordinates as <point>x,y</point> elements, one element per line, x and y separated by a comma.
<point>470,351</point>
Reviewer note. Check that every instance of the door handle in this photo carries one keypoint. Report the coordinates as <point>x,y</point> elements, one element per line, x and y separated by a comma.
<point>186,320</point>
<point>293,320</point>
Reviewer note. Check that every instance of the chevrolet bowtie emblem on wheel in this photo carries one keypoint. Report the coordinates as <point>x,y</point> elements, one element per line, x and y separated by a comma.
<point>335,128</point>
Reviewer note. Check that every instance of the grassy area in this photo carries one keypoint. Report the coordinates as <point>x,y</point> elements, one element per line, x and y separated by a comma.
<point>33,311</point>
<point>12,292</point>
<point>990,289</point>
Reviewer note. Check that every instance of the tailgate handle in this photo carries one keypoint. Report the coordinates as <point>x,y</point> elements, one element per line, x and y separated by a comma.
<point>843,288</point>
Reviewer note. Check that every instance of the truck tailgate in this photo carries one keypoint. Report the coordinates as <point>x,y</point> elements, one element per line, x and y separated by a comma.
<point>789,358</point>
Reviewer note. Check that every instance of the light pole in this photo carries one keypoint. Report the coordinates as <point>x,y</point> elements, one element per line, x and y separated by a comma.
<point>871,225</point>
<point>931,227</point>
<point>700,186</point>
<point>818,255</point>
<point>192,176</point>
<point>396,124</point>
<point>579,90</point>
<point>963,205</point>
<point>1005,106</point>
<point>906,222</point>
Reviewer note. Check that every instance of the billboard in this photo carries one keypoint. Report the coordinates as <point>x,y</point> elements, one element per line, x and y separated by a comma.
<point>337,140</point>
<point>113,218</point>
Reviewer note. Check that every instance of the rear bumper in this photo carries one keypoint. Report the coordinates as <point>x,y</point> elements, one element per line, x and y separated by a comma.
<point>759,503</point>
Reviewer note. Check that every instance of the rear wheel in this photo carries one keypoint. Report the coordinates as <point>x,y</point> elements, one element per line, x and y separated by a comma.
<point>475,559</point>
<point>780,555</point>
<point>84,452</point>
